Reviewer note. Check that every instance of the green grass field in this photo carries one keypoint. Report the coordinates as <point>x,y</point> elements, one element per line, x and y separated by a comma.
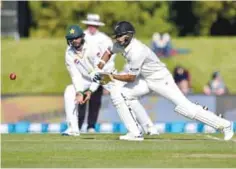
<point>39,63</point>
<point>105,150</point>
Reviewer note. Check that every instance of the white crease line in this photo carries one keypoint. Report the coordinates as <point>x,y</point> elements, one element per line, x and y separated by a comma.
<point>234,140</point>
<point>108,140</point>
<point>214,138</point>
<point>114,140</point>
<point>209,136</point>
<point>90,140</point>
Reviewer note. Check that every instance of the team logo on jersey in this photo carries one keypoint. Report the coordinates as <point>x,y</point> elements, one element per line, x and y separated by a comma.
<point>134,70</point>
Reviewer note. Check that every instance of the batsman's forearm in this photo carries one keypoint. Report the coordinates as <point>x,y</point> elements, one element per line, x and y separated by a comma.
<point>124,78</point>
<point>104,59</point>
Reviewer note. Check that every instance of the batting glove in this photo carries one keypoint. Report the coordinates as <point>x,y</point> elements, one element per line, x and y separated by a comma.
<point>95,77</point>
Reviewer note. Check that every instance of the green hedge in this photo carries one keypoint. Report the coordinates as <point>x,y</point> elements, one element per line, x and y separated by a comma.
<point>50,18</point>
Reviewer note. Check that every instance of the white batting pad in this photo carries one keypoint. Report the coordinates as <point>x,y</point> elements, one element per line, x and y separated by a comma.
<point>141,114</point>
<point>211,119</point>
<point>198,113</point>
<point>125,112</point>
<point>186,111</point>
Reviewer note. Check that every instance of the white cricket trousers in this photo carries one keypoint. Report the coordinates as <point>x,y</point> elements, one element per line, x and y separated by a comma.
<point>71,109</point>
<point>167,88</point>
<point>131,112</point>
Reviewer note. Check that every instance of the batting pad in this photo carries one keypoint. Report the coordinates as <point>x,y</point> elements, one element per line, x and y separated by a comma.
<point>204,116</point>
<point>125,112</point>
<point>187,112</point>
<point>211,119</point>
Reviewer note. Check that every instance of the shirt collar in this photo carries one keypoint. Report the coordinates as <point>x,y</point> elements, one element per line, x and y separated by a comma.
<point>85,46</point>
<point>129,45</point>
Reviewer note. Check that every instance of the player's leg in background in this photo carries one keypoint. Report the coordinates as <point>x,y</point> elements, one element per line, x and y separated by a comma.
<point>71,111</point>
<point>170,90</point>
<point>132,92</point>
<point>125,113</point>
<point>81,114</point>
<point>94,107</point>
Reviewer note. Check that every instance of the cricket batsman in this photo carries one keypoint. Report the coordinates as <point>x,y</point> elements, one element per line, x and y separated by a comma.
<point>147,73</point>
<point>81,61</point>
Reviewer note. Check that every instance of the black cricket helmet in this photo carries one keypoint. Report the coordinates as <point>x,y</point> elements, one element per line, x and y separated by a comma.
<point>124,28</point>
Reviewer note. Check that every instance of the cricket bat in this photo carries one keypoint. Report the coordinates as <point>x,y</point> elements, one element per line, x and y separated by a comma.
<point>106,77</point>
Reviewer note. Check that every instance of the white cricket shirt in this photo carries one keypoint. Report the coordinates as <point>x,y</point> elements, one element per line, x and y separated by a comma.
<point>81,63</point>
<point>141,60</point>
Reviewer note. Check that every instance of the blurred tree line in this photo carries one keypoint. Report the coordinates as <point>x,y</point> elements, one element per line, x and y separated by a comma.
<point>194,18</point>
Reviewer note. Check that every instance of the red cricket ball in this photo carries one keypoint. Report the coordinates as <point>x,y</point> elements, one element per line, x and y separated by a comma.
<point>12,76</point>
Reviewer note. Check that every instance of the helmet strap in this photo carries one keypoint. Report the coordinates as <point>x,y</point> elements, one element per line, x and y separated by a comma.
<point>128,39</point>
<point>81,44</point>
<point>78,47</point>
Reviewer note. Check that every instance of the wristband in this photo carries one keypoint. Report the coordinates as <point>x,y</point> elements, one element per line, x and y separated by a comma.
<point>102,61</point>
<point>79,92</point>
<point>89,90</point>
<point>108,51</point>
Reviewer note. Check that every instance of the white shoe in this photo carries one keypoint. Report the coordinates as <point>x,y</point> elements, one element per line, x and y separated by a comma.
<point>70,133</point>
<point>152,131</point>
<point>131,137</point>
<point>66,132</point>
<point>91,130</point>
<point>75,134</point>
<point>228,132</point>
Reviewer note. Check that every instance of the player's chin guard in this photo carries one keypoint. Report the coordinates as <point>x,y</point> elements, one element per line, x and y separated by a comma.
<point>124,28</point>
<point>74,32</point>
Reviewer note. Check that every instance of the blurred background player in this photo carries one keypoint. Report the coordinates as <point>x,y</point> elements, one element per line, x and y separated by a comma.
<point>161,44</point>
<point>216,85</point>
<point>182,79</point>
<point>92,34</point>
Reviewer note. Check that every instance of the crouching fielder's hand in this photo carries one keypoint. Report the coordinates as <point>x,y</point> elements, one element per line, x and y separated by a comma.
<point>79,98</point>
<point>87,94</point>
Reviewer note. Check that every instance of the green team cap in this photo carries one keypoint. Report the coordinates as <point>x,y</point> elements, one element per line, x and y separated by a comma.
<point>73,32</point>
